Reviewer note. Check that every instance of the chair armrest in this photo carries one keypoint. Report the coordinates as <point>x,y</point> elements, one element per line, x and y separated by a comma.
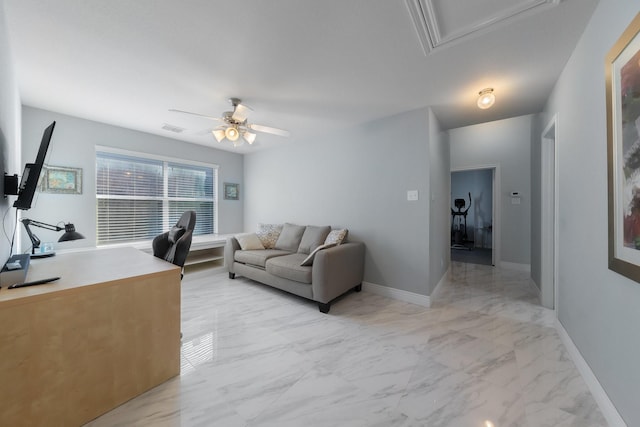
<point>336,270</point>
<point>230,247</point>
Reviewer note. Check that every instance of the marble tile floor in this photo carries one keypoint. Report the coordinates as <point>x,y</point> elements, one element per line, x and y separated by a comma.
<point>485,354</point>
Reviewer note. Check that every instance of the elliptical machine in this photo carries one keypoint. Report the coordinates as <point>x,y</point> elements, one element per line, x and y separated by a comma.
<point>459,224</point>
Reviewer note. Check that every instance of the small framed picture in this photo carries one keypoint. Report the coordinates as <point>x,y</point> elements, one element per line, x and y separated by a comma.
<point>61,180</point>
<point>231,191</point>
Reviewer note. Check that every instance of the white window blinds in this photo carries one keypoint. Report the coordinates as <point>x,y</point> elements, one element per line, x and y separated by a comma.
<point>138,198</point>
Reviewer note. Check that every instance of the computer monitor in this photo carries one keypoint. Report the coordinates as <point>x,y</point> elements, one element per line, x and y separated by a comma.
<point>31,173</point>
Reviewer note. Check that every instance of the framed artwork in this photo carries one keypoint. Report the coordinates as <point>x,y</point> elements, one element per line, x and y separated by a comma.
<point>231,191</point>
<point>61,180</point>
<point>622,74</point>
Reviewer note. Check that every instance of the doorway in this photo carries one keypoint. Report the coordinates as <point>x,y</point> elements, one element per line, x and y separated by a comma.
<point>472,222</point>
<point>549,206</point>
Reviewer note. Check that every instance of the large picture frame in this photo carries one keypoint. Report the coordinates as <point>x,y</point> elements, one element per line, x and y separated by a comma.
<point>61,180</point>
<point>622,75</point>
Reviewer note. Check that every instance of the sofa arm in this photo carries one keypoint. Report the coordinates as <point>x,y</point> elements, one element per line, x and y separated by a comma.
<point>230,248</point>
<point>336,270</point>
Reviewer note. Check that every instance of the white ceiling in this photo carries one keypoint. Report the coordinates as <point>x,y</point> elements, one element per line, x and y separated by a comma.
<point>311,67</point>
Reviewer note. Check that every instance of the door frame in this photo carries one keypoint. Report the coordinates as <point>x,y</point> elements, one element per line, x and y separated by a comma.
<point>549,211</point>
<point>496,204</point>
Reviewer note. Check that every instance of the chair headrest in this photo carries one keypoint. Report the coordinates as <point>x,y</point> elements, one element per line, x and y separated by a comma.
<point>187,220</point>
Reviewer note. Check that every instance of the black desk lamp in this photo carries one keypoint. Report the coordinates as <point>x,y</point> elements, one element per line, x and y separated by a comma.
<point>70,233</point>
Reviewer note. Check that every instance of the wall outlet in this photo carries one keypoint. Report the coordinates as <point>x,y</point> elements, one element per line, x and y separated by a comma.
<point>412,195</point>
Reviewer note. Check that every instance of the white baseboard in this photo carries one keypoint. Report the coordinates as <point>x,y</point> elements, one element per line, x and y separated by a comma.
<point>398,294</point>
<point>609,411</point>
<point>515,266</point>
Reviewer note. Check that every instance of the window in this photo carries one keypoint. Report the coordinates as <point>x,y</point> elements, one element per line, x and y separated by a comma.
<point>140,196</point>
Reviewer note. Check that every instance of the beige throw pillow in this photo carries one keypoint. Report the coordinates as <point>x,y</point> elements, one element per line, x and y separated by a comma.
<point>336,236</point>
<point>249,241</point>
<point>268,234</point>
<point>309,260</point>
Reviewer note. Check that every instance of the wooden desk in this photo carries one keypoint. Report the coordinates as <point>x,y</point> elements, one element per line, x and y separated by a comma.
<point>74,349</point>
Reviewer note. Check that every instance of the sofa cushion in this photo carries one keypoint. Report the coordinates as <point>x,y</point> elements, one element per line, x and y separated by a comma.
<point>309,259</point>
<point>312,237</point>
<point>289,238</point>
<point>337,236</point>
<point>288,267</point>
<point>268,234</point>
<point>249,241</point>
<point>258,257</point>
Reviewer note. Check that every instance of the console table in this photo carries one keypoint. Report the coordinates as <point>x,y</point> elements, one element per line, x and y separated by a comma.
<point>73,349</point>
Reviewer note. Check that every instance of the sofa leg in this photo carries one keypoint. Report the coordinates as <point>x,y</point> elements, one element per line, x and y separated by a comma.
<point>324,307</point>
<point>358,288</point>
<point>232,275</point>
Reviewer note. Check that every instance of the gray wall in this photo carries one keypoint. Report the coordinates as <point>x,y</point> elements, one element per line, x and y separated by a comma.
<point>439,214</point>
<point>73,144</point>
<point>480,214</point>
<point>597,307</point>
<point>356,178</point>
<point>506,143</point>
<point>9,130</point>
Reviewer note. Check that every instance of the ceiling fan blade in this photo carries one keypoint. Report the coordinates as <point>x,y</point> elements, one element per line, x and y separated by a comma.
<point>218,119</point>
<point>203,132</point>
<point>267,129</point>
<point>240,113</point>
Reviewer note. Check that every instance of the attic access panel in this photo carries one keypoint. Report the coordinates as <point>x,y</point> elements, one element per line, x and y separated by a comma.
<point>439,22</point>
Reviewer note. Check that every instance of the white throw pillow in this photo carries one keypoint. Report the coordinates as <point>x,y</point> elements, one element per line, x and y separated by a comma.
<point>249,241</point>
<point>309,260</point>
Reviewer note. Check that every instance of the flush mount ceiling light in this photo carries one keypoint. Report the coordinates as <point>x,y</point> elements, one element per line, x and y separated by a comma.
<point>235,126</point>
<point>486,98</point>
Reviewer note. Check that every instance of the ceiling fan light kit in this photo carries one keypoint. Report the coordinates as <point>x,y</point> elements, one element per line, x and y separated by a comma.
<point>235,125</point>
<point>486,98</point>
<point>218,134</point>
<point>232,133</point>
<point>249,137</point>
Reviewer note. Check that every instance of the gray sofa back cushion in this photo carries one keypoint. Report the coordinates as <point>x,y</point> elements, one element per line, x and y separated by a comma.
<point>312,238</point>
<point>290,237</point>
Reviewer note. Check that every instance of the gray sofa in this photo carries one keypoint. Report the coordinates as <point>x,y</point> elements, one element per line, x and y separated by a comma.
<point>329,269</point>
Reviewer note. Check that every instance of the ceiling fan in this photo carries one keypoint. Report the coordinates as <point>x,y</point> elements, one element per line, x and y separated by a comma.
<point>234,125</point>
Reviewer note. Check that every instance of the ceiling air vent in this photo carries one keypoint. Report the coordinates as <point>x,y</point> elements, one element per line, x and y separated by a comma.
<point>172,128</point>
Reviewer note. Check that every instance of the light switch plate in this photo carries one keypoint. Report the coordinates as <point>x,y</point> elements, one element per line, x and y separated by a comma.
<point>412,195</point>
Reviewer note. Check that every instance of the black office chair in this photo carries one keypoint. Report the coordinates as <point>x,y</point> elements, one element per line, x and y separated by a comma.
<point>173,246</point>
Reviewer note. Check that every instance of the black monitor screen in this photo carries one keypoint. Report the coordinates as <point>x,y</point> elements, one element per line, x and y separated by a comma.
<point>31,172</point>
